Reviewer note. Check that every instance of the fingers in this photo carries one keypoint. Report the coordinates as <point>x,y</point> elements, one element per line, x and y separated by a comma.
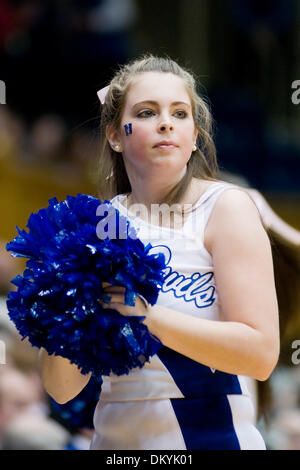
<point>113,305</point>
<point>111,293</point>
<point>116,306</point>
<point>113,289</point>
<point>105,284</point>
<point>109,299</point>
<point>117,298</point>
<point>117,302</point>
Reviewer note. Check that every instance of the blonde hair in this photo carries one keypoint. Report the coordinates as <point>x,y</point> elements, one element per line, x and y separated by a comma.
<point>112,178</point>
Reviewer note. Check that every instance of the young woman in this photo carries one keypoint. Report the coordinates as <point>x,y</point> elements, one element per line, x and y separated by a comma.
<point>217,312</point>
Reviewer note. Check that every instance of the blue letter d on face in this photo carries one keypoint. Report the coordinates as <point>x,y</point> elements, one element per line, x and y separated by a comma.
<point>2,92</point>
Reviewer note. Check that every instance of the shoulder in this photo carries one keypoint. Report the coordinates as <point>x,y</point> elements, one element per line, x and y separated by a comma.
<point>198,188</point>
<point>234,215</point>
<point>235,200</point>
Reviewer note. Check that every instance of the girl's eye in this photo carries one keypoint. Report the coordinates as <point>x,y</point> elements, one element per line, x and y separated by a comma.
<point>146,113</point>
<point>181,114</point>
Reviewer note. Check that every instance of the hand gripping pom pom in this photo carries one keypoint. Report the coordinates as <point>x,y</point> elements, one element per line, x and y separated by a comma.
<point>57,304</point>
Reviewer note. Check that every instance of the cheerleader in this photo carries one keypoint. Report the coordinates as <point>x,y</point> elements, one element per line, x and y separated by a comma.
<point>217,311</point>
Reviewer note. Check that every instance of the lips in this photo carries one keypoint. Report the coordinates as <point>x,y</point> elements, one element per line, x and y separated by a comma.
<point>165,144</point>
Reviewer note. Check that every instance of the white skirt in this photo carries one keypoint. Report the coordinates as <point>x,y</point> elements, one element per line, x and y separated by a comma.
<point>222,422</point>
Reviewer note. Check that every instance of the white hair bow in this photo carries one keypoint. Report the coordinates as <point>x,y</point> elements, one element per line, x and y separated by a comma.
<point>102,94</point>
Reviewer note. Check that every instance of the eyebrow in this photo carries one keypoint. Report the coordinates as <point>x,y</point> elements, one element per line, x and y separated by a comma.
<point>175,103</point>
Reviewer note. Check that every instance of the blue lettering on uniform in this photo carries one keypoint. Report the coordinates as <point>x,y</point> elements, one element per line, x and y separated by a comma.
<point>195,288</point>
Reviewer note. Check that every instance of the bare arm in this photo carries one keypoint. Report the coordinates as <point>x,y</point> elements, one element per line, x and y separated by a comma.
<point>246,340</point>
<point>61,379</point>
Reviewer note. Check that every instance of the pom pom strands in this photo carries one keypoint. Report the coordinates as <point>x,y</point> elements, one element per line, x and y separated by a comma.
<point>58,301</point>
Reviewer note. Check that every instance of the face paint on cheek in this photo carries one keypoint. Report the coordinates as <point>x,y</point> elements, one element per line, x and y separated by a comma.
<point>128,129</point>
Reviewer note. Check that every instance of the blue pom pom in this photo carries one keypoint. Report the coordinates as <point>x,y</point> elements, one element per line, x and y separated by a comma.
<point>57,301</point>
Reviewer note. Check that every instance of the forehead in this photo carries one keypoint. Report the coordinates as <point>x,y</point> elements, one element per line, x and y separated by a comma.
<point>157,86</point>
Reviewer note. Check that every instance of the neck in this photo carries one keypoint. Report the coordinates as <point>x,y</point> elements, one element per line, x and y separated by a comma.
<point>146,192</point>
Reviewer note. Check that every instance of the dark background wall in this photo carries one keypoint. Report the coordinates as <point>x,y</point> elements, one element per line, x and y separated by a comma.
<point>55,55</point>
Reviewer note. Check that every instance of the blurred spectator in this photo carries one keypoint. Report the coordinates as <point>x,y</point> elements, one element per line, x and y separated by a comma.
<point>283,431</point>
<point>28,431</point>
<point>18,393</point>
<point>12,136</point>
<point>9,268</point>
<point>82,154</point>
<point>48,136</point>
<point>286,428</point>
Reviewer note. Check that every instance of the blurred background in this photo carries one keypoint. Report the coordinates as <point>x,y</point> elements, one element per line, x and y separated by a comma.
<point>54,56</point>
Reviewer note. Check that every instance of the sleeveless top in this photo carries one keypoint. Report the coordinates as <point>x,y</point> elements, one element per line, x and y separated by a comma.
<point>189,287</point>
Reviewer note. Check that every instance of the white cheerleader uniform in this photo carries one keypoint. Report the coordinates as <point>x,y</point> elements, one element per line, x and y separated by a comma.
<point>173,402</point>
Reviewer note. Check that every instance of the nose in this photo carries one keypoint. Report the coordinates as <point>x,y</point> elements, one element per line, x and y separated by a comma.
<point>165,125</point>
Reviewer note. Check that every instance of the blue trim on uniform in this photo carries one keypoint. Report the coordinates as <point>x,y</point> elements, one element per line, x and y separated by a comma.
<point>206,423</point>
<point>196,380</point>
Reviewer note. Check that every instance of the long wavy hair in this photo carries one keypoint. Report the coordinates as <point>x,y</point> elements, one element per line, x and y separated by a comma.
<point>112,175</point>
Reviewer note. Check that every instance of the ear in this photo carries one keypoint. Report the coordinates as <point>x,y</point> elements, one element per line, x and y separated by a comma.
<point>112,136</point>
